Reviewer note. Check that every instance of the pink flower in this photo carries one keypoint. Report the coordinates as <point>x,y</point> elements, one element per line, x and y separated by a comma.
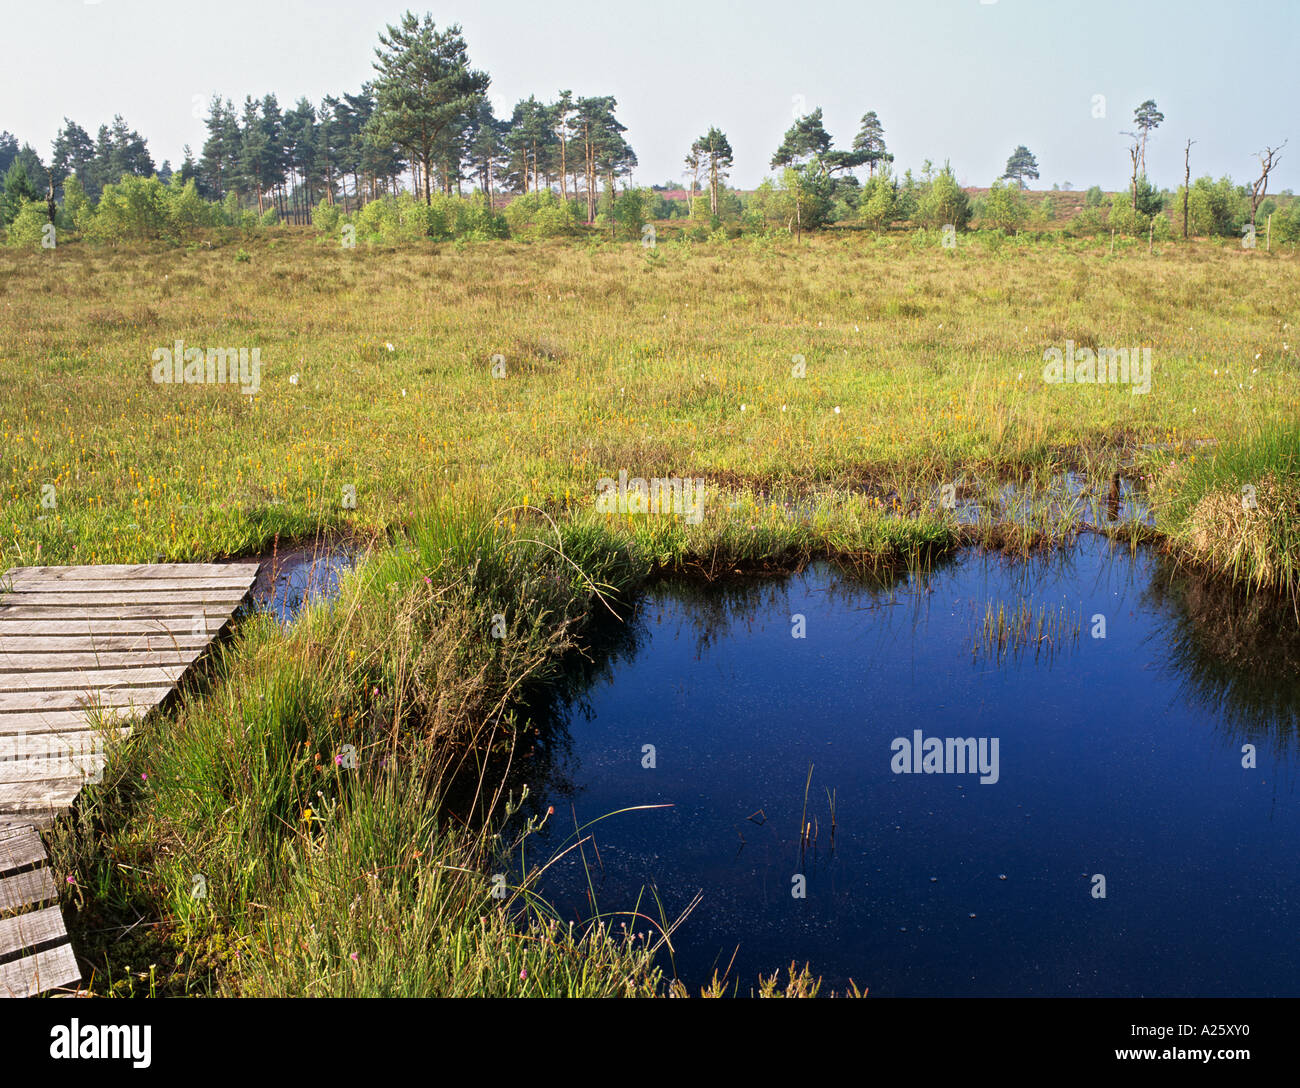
<point>71,879</point>
<point>144,777</point>
<point>338,760</point>
<point>523,974</point>
<point>353,957</point>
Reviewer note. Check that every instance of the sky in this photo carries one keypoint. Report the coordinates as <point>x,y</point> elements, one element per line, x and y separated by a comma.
<point>957,80</point>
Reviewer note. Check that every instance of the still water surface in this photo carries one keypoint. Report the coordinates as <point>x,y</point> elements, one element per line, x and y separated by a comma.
<point>1118,757</point>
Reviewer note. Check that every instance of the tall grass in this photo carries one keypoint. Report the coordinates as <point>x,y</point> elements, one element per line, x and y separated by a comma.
<point>325,787</point>
<point>1237,510</point>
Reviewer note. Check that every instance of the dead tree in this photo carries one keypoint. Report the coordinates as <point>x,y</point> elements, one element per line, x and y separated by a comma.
<point>1268,158</point>
<point>1187,182</point>
<point>1135,155</point>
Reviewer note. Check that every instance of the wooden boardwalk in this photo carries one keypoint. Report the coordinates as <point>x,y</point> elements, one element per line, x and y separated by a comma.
<point>35,955</point>
<point>84,651</point>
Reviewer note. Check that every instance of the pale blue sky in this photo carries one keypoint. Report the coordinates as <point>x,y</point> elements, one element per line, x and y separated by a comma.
<point>955,79</point>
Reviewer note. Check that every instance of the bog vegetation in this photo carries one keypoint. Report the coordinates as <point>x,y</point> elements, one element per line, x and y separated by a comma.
<point>831,353</point>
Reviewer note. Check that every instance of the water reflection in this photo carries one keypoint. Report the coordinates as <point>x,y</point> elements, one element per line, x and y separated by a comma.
<point>1120,755</point>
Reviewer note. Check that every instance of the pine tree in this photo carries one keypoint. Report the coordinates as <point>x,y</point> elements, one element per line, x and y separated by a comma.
<point>425,85</point>
<point>869,144</point>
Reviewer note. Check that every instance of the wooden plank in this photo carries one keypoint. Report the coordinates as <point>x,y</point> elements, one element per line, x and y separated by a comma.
<point>127,595</point>
<point>91,680</point>
<point>37,821</point>
<point>166,624</point>
<point>149,640</point>
<point>40,973</point>
<point>37,927</point>
<point>144,698</point>
<point>84,766</point>
<point>133,571</point>
<point>42,798</point>
<point>24,583</point>
<point>67,740</point>
<point>50,756</point>
<point>213,613</point>
<point>19,847</point>
<point>27,889</point>
<point>59,662</point>
<point>54,721</point>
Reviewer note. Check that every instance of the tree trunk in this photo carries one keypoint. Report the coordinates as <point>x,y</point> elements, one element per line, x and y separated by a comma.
<point>564,189</point>
<point>1187,183</point>
<point>1133,154</point>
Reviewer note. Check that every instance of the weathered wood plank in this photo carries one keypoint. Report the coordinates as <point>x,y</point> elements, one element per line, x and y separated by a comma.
<point>211,613</point>
<point>126,595</point>
<point>27,889</point>
<point>54,661</point>
<point>54,721</point>
<point>84,767</point>
<point>133,571</point>
<point>89,680</point>
<point>37,927</point>
<point>165,624</point>
<point>145,698</point>
<point>37,821</point>
<point>149,640</point>
<point>23,583</point>
<point>40,973</point>
<point>36,800</point>
<point>19,847</point>
<point>12,746</point>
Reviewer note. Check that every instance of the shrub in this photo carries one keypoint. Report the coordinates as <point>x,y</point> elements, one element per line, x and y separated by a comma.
<point>1005,206</point>
<point>325,217</point>
<point>77,211</point>
<point>944,202</point>
<point>28,227</point>
<point>879,204</point>
<point>1124,220</point>
<point>134,208</point>
<point>1286,223</point>
<point>1214,207</point>
<point>538,215</point>
<point>630,209</point>
<point>187,212</point>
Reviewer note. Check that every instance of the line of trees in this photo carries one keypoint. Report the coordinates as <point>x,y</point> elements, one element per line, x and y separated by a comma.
<point>426,112</point>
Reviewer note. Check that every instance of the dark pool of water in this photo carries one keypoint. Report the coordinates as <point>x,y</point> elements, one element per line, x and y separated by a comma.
<point>1120,757</point>
<point>292,578</point>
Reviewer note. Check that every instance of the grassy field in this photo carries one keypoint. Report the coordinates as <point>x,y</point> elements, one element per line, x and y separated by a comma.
<point>921,367</point>
<point>676,360</point>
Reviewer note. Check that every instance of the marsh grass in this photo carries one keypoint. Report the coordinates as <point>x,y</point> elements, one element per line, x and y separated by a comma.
<point>613,361</point>
<point>322,877</point>
<point>1237,511</point>
<point>1022,629</point>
